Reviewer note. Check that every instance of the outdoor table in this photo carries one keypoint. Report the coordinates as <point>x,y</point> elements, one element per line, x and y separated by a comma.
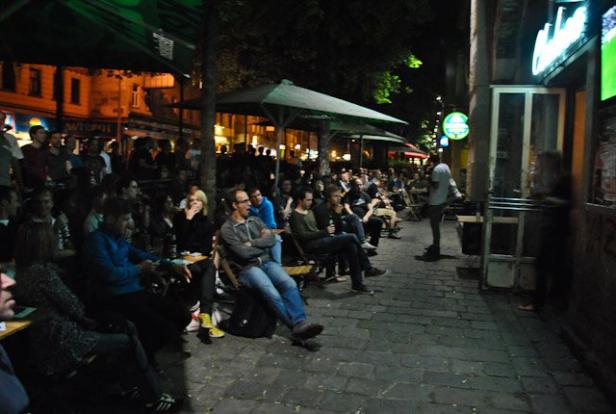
<point>13,327</point>
<point>194,259</point>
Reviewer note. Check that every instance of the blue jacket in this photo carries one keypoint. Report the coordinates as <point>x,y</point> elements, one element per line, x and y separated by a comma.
<point>265,212</point>
<point>112,264</point>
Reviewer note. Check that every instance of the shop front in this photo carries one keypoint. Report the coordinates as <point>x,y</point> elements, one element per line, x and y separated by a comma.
<point>568,106</point>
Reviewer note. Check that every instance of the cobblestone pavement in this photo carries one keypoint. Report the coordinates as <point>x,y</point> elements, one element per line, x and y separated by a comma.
<point>427,342</point>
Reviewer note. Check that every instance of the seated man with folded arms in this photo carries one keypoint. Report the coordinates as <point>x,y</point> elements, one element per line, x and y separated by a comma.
<point>249,243</point>
<point>263,208</point>
<point>116,267</point>
<point>313,240</point>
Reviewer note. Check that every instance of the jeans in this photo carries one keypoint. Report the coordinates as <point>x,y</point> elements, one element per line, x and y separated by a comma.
<point>348,245</point>
<point>353,224</point>
<point>128,345</point>
<point>278,289</point>
<point>436,214</point>
<point>276,250</point>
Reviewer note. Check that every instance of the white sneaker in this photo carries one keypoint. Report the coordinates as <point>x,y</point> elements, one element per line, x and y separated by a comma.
<point>195,323</point>
<point>368,246</point>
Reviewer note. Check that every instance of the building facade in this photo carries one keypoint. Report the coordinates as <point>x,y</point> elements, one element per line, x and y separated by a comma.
<point>540,79</point>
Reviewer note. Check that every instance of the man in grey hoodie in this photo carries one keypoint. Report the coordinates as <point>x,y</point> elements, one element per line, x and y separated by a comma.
<point>249,243</point>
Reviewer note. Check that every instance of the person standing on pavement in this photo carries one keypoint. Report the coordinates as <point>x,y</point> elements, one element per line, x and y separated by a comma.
<point>10,156</point>
<point>437,201</point>
<point>34,163</point>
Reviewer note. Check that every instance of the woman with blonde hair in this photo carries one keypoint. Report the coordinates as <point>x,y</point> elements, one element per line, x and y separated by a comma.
<point>194,234</point>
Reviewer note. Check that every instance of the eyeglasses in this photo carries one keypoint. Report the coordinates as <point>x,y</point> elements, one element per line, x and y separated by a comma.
<point>243,201</point>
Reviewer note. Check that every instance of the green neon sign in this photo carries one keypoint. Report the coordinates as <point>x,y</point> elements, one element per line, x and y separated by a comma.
<point>455,126</point>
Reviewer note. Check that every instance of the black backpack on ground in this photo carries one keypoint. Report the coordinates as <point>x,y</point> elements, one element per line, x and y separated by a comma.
<point>251,316</point>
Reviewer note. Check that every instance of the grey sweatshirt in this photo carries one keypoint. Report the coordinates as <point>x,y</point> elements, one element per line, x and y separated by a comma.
<point>235,234</point>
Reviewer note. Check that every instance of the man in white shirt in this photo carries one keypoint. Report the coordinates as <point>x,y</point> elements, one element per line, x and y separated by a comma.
<point>437,201</point>
<point>10,155</point>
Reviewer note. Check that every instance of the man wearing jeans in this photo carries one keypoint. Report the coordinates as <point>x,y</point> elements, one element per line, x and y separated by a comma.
<point>439,190</point>
<point>304,227</point>
<point>249,242</point>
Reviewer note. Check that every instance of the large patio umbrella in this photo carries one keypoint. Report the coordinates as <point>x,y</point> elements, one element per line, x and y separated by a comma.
<point>140,35</point>
<point>282,103</point>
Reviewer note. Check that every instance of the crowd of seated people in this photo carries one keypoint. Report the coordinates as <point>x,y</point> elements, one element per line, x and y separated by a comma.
<point>103,246</point>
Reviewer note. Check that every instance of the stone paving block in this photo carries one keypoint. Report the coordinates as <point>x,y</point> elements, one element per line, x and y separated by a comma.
<point>276,408</point>
<point>291,378</point>
<point>252,390</point>
<point>549,404</point>
<point>454,323</point>
<point>499,369</point>
<point>339,402</point>
<point>473,381</point>
<point>379,358</point>
<point>572,378</point>
<point>326,382</point>
<point>539,385</point>
<point>530,367</point>
<point>356,369</point>
<point>380,406</point>
<point>409,391</point>
<point>484,325</point>
<point>398,374</point>
<point>426,363</point>
<point>302,396</point>
<point>365,387</point>
<point>481,399</point>
<point>587,399</point>
<point>229,406</point>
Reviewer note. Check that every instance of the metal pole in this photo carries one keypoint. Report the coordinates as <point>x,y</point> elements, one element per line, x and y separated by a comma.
<point>361,150</point>
<point>181,113</point>
<point>119,109</point>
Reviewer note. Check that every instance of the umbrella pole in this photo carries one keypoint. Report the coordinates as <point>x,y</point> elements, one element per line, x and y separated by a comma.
<point>361,150</point>
<point>279,133</point>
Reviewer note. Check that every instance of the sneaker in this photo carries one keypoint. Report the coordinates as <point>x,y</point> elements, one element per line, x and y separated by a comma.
<point>394,235</point>
<point>362,289</point>
<point>195,323</point>
<point>371,253</point>
<point>306,330</point>
<point>368,246</point>
<point>206,323</point>
<point>375,271</point>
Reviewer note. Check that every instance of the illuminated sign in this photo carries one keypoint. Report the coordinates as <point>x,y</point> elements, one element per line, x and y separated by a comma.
<point>455,126</point>
<point>554,41</point>
<point>444,141</point>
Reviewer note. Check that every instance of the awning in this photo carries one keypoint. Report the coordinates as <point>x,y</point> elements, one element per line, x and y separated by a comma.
<point>254,101</point>
<point>152,35</point>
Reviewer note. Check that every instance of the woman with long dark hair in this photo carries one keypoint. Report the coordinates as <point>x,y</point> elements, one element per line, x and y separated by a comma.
<point>65,337</point>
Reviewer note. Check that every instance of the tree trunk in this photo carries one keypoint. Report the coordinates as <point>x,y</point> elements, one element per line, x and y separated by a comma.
<point>208,105</point>
<point>324,137</point>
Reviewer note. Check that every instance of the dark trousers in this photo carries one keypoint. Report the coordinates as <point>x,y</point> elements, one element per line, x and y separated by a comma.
<point>128,346</point>
<point>203,284</point>
<point>159,320</point>
<point>436,214</point>
<point>373,229</point>
<point>363,257</point>
<point>345,244</point>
